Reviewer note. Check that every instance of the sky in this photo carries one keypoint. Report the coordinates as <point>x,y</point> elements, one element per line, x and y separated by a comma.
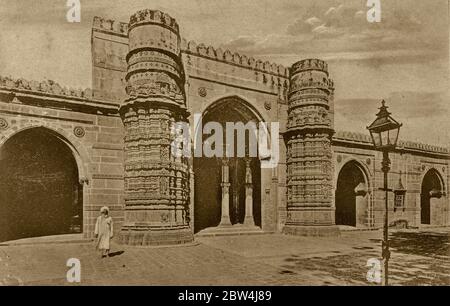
<point>404,59</point>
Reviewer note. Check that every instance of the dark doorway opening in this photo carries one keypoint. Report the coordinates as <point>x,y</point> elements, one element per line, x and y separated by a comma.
<point>349,178</point>
<point>40,193</point>
<point>431,183</point>
<point>207,172</point>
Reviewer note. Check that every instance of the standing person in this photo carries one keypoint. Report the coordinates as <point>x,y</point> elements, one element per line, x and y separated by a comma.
<point>104,231</point>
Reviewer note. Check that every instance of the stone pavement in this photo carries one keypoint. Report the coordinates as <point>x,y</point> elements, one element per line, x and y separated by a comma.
<point>418,258</point>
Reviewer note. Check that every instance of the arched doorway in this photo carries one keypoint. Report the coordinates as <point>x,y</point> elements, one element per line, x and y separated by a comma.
<point>431,192</point>
<point>208,171</point>
<point>351,196</point>
<point>40,192</point>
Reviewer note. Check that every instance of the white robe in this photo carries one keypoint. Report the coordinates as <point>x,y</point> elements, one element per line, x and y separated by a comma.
<point>104,230</point>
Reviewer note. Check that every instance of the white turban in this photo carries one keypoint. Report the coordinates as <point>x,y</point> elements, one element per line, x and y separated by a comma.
<point>104,208</point>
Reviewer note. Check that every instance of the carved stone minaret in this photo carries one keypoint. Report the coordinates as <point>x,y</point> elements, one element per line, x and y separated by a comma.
<point>156,182</point>
<point>309,154</point>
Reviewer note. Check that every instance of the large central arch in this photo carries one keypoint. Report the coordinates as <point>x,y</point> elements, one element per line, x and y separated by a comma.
<point>208,171</point>
<point>40,190</point>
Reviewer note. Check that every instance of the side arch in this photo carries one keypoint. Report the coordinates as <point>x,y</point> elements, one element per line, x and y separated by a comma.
<point>79,152</point>
<point>44,195</point>
<point>439,176</point>
<point>352,195</point>
<point>361,166</point>
<point>433,198</point>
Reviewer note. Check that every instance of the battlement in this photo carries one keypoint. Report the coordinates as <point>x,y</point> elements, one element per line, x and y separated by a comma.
<point>309,64</point>
<point>111,26</point>
<point>153,16</point>
<point>46,87</point>
<point>233,58</point>
<point>190,47</point>
<point>405,145</point>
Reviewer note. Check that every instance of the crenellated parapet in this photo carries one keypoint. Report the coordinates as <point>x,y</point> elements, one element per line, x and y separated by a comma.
<point>423,147</point>
<point>44,87</point>
<point>308,65</point>
<point>155,17</point>
<point>234,58</point>
<point>364,139</point>
<point>158,18</point>
<point>111,26</point>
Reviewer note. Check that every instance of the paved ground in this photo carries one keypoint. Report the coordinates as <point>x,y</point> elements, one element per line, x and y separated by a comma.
<point>418,258</point>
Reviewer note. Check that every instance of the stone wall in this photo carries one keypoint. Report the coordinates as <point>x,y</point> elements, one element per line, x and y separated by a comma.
<point>91,128</point>
<point>411,161</point>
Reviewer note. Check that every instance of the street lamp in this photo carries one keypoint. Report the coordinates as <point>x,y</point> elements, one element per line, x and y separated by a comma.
<point>384,132</point>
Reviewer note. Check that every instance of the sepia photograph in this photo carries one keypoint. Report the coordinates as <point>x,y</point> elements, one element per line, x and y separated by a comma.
<point>224,148</point>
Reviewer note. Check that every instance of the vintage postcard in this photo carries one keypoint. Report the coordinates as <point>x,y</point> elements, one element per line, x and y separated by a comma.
<point>224,143</point>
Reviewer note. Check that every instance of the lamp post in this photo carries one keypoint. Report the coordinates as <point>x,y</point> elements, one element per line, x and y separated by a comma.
<point>384,132</point>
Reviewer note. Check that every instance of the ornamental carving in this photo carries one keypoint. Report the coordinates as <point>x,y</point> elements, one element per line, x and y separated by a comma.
<point>3,124</point>
<point>156,183</point>
<point>79,131</point>
<point>308,138</point>
<point>202,92</point>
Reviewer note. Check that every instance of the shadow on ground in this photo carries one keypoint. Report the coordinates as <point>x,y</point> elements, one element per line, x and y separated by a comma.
<point>418,258</point>
<point>421,243</point>
<point>118,253</point>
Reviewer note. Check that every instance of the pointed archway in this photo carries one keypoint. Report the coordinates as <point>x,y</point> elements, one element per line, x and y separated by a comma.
<point>430,195</point>
<point>351,196</point>
<point>208,170</point>
<point>40,190</point>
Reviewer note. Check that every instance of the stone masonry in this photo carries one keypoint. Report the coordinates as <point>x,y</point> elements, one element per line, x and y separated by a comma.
<point>147,76</point>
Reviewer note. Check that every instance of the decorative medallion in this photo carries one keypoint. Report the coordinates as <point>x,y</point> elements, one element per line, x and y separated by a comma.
<point>202,92</point>
<point>267,105</point>
<point>79,131</point>
<point>339,158</point>
<point>3,124</point>
<point>164,217</point>
<point>368,161</point>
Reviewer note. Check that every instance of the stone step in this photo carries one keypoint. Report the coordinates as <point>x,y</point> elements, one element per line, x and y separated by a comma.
<point>55,239</point>
<point>232,230</point>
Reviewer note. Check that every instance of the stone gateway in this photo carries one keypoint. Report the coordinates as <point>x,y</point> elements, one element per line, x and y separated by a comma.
<point>64,153</point>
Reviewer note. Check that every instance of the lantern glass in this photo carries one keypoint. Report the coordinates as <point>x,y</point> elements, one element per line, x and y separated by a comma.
<point>384,130</point>
<point>393,136</point>
<point>384,138</point>
<point>376,139</point>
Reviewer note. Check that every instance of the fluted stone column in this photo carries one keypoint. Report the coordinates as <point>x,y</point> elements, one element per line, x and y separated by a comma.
<point>225,217</point>
<point>249,220</point>
<point>310,208</point>
<point>157,189</point>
